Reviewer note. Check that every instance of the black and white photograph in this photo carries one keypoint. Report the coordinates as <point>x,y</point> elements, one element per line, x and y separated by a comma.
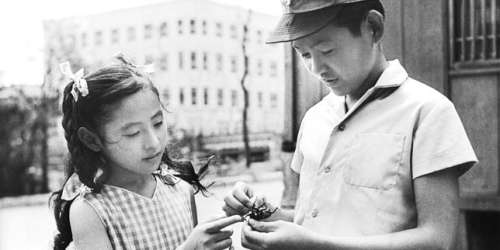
<point>250,124</point>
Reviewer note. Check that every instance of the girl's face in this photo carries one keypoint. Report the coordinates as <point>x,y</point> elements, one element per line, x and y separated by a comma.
<point>135,136</point>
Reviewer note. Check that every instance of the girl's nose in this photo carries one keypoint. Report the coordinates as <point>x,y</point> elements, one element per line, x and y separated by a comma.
<point>152,141</point>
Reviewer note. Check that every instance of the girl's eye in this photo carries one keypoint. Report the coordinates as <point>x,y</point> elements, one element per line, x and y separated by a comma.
<point>132,134</point>
<point>158,124</point>
<point>326,52</point>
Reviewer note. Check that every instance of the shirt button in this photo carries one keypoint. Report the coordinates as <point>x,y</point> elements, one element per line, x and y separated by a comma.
<point>341,127</point>
<point>314,213</point>
<point>328,169</point>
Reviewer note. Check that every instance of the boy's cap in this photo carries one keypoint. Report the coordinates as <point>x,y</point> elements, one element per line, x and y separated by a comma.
<point>304,17</point>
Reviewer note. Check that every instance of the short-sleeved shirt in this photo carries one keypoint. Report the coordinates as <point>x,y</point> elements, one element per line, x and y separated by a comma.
<point>357,168</point>
<point>133,221</point>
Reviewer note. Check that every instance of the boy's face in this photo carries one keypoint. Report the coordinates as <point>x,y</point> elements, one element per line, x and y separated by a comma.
<point>338,58</point>
<point>136,134</point>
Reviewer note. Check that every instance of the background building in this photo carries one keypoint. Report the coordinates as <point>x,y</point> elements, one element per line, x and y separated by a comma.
<point>196,48</point>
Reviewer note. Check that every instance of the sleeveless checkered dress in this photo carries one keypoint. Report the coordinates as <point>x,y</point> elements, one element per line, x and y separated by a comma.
<point>133,221</point>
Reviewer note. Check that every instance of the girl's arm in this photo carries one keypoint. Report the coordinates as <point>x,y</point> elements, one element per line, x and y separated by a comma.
<point>86,227</point>
<point>436,196</point>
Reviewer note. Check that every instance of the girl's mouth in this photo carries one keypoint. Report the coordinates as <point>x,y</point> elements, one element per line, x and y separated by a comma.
<point>152,157</point>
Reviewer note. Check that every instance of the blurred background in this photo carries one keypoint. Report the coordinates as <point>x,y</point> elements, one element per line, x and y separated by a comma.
<point>228,94</point>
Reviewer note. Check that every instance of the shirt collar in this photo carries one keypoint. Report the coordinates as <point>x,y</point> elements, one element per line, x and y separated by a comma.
<point>393,76</point>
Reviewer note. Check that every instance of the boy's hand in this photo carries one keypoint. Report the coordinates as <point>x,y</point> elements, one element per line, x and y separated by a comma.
<point>275,235</point>
<point>240,200</point>
<point>210,235</point>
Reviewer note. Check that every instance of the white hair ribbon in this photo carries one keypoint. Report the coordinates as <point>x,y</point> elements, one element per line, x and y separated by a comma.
<point>79,84</point>
<point>147,68</point>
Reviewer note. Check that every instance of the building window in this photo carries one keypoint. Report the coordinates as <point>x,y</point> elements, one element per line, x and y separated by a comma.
<point>234,64</point>
<point>234,98</point>
<point>98,38</point>
<point>163,29</point>
<point>259,67</point>
<point>234,32</point>
<point>131,34</point>
<point>180,56</point>
<point>192,26</point>
<point>205,96</point>
<point>179,27</point>
<point>274,100</point>
<point>181,96</point>
<point>114,36</point>
<point>259,36</point>
<point>166,94</point>
<point>260,99</point>
<point>205,61</point>
<point>218,29</point>
<point>220,97</point>
<point>474,33</point>
<point>219,62</point>
<point>193,60</point>
<point>148,31</point>
<point>194,96</point>
<point>148,59</point>
<point>204,27</point>
<point>273,67</point>
<point>164,62</point>
<point>84,39</point>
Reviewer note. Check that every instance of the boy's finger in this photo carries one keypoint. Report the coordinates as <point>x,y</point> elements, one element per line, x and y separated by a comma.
<point>229,211</point>
<point>243,193</point>
<point>262,226</point>
<point>250,238</point>
<point>235,204</point>
<point>217,225</point>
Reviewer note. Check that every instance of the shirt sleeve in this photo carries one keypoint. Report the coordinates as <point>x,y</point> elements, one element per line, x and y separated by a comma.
<point>440,141</point>
<point>298,157</point>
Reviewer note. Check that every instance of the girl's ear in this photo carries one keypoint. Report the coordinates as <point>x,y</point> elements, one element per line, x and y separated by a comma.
<point>91,140</point>
<point>375,21</point>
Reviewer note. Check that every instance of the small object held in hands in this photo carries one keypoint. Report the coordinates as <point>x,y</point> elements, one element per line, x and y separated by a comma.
<point>260,212</point>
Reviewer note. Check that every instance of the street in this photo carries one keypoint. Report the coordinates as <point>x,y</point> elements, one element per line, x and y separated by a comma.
<point>30,228</point>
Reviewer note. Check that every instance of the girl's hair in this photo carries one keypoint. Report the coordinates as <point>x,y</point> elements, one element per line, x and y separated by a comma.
<point>106,88</point>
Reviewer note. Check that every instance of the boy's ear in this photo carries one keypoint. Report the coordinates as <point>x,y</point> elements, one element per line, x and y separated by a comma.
<point>91,140</point>
<point>375,21</point>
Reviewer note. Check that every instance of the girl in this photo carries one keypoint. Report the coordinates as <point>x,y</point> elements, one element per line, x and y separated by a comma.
<point>114,127</point>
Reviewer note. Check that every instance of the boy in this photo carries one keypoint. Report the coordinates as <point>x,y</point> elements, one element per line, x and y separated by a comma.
<point>377,160</point>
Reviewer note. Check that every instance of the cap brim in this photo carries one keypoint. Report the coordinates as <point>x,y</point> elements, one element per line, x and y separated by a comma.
<point>293,26</point>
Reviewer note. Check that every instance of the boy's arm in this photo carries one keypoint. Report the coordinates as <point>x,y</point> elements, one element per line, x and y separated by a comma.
<point>436,196</point>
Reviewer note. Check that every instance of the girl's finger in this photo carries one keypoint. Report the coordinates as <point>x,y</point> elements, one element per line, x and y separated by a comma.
<point>223,244</point>
<point>222,235</point>
<point>215,226</point>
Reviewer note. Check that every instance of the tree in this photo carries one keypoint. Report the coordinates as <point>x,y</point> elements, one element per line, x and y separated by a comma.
<point>245,91</point>
<point>18,140</point>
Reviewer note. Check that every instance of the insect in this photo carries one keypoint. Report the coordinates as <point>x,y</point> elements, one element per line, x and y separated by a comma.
<point>260,212</point>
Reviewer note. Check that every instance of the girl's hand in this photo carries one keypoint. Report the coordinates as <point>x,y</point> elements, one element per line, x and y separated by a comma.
<point>210,236</point>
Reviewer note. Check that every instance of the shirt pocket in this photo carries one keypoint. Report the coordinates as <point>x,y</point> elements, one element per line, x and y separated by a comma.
<point>374,160</point>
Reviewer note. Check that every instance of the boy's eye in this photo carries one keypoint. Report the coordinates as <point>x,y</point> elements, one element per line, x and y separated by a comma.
<point>132,134</point>
<point>158,124</point>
